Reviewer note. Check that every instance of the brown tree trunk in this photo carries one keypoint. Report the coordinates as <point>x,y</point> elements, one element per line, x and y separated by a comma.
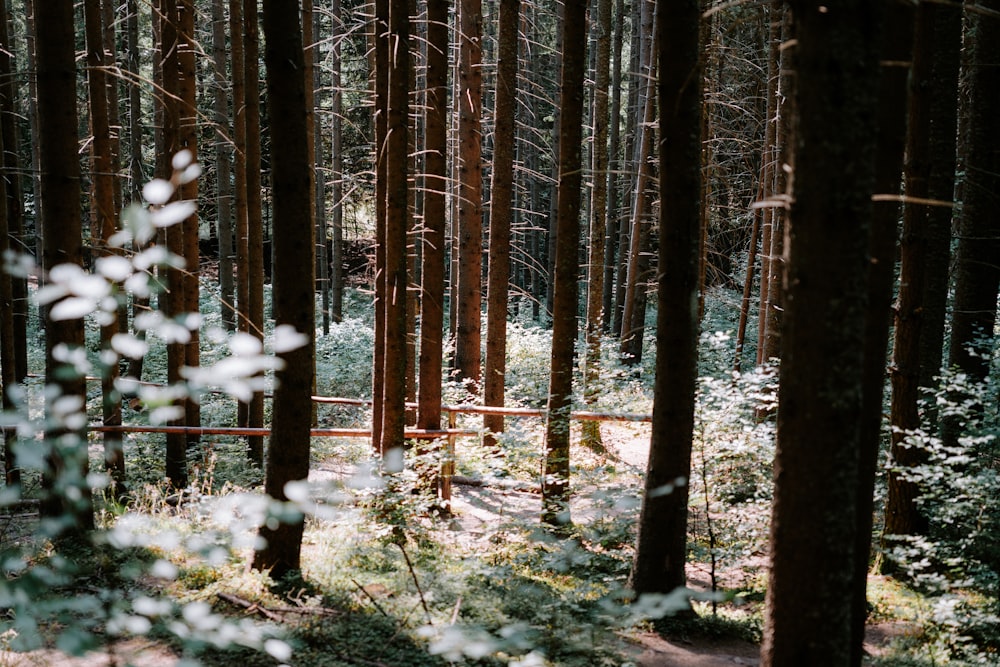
<point>187,46</point>
<point>815,532</point>
<point>930,170</point>
<point>137,176</point>
<point>294,278</point>
<point>396,224</point>
<point>897,52</point>
<point>336,171</point>
<point>435,205</point>
<point>634,305</point>
<point>468,338</point>
<point>769,168</point>
<point>223,166</point>
<point>15,192</point>
<point>555,484</point>
<point>105,214</point>
<point>172,301</point>
<point>661,544</point>
<point>254,310</point>
<point>501,213</point>
<point>380,67</point>
<point>977,271</point>
<point>614,179</point>
<point>61,224</point>
<point>591,435</point>
<point>8,373</point>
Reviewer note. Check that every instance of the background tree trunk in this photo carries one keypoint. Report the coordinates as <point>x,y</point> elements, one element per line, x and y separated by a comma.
<point>223,166</point>
<point>555,484</point>
<point>591,430</point>
<point>919,323</point>
<point>661,544</point>
<point>468,339</point>
<point>104,212</point>
<point>62,227</point>
<point>501,213</point>
<point>294,278</point>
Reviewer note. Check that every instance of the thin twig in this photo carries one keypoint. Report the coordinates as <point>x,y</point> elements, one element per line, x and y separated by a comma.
<point>370,597</point>
<point>416,582</point>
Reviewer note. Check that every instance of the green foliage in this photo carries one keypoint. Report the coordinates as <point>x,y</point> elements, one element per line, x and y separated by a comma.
<point>957,565</point>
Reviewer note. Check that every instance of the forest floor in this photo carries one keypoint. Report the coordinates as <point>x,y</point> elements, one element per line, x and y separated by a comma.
<point>480,510</point>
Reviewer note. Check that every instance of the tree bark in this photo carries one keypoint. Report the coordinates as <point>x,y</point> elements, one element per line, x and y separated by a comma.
<point>187,46</point>
<point>591,431</point>
<point>104,213</point>
<point>254,310</point>
<point>468,339</point>
<point>501,213</point>
<point>435,206</point>
<point>336,170</point>
<point>897,54</point>
<point>223,167</point>
<point>815,532</point>
<point>661,544</point>
<point>294,278</point>
<point>396,225</point>
<point>555,484</point>
<point>62,227</point>
<point>977,272</point>
<point>929,174</point>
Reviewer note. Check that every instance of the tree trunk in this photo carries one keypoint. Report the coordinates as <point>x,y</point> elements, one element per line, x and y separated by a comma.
<point>187,46</point>
<point>591,436</point>
<point>555,484</point>
<point>614,179</point>
<point>223,164</point>
<point>336,171</point>
<point>435,206</point>
<point>105,214</point>
<point>661,544</point>
<point>815,532</point>
<point>634,305</point>
<point>137,176</point>
<point>254,310</point>
<point>926,235</point>
<point>501,210</point>
<point>396,224</point>
<point>294,278</point>
<point>62,227</point>
<point>380,66</point>
<point>172,302</point>
<point>897,53</point>
<point>977,273</point>
<point>468,338</point>
<point>15,194</point>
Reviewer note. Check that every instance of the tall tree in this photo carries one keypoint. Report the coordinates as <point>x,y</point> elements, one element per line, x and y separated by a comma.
<point>104,212</point>
<point>977,271</point>
<point>9,115</point>
<point>634,303</point>
<point>817,470</point>
<point>598,219</point>
<point>62,227</point>
<point>223,165</point>
<point>294,303</point>
<point>379,61</point>
<point>924,250</point>
<point>171,302</point>
<point>897,52</point>
<point>661,544</point>
<point>434,208</point>
<point>501,212</point>
<point>555,484</point>
<point>468,106</point>
<point>336,168</point>
<point>397,214</point>
<point>254,309</point>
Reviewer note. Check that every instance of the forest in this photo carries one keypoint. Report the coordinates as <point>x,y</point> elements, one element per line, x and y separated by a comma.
<point>501,332</point>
